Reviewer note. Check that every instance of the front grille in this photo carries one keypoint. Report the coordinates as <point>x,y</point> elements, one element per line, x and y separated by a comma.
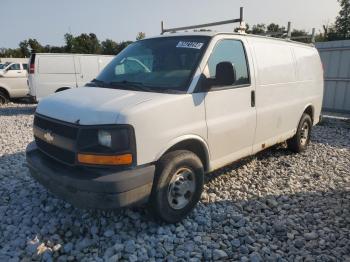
<point>59,128</point>
<point>57,153</point>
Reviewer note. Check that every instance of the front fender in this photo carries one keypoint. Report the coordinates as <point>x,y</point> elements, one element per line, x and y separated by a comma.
<point>183,138</point>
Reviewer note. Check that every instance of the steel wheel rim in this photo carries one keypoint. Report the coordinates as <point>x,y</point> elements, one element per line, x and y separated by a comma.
<point>181,188</point>
<point>304,134</point>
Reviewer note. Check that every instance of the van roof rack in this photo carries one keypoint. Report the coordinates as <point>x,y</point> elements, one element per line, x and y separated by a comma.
<point>175,29</point>
<point>287,34</point>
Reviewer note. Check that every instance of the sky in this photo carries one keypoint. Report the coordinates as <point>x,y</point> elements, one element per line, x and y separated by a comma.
<point>49,20</point>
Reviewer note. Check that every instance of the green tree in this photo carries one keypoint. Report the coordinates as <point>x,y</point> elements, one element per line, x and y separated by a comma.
<point>275,28</point>
<point>35,46</point>
<point>301,33</point>
<point>86,44</point>
<point>109,47</point>
<point>69,39</point>
<point>123,44</point>
<point>24,47</point>
<point>140,35</point>
<point>258,29</point>
<point>342,23</point>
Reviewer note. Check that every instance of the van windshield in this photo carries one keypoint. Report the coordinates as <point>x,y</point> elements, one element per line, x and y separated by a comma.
<point>164,64</point>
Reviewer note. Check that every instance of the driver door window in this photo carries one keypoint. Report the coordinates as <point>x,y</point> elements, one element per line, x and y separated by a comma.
<point>15,71</point>
<point>230,51</point>
<point>15,67</point>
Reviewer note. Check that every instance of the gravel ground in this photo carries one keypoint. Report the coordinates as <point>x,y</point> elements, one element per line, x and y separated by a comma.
<point>276,206</point>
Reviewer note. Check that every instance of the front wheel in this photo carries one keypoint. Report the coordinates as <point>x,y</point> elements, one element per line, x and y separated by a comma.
<point>301,139</point>
<point>177,187</point>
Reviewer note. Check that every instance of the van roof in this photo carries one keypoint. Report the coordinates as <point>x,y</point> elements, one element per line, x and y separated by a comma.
<point>215,33</point>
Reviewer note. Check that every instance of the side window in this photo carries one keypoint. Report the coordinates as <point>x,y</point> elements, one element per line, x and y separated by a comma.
<point>230,51</point>
<point>15,67</point>
<point>25,66</point>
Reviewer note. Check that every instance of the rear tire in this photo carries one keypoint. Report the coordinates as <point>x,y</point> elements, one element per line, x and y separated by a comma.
<point>3,98</point>
<point>299,142</point>
<point>177,187</point>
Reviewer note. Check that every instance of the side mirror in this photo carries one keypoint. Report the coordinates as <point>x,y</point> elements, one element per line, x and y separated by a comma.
<point>225,74</point>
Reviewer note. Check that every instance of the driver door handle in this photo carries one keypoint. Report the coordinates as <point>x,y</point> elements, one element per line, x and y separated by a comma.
<point>252,99</point>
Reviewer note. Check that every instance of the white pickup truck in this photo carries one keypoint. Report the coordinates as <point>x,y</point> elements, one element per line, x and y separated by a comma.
<point>13,81</point>
<point>169,109</point>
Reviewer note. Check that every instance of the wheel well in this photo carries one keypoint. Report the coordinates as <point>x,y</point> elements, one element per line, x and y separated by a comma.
<point>310,111</point>
<point>194,146</point>
<point>61,89</point>
<point>5,92</point>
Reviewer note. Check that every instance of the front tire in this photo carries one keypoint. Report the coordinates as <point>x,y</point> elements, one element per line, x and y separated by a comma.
<point>177,187</point>
<point>299,142</point>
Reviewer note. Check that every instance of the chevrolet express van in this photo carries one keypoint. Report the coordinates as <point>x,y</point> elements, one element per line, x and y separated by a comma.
<point>50,73</point>
<point>169,109</point>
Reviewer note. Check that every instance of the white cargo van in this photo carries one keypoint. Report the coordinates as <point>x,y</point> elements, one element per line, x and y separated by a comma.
<point>51,73</point>
<point>169,109</point>
<point>13,81</point>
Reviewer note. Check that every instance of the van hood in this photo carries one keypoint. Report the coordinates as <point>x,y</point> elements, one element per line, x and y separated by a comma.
<point>90,105</point>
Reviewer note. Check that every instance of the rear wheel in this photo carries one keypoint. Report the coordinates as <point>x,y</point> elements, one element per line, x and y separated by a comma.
<point>301,139</point>
<point>3,98</point>
<point>177,187</point>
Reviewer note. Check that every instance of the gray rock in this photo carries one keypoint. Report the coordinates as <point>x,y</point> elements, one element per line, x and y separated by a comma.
<point>108,233</point>
<point>236,243</point>
<point>67,248</point>
<point>243,249</point>
<point>133,258</point>
<point>118,247</point>
<point>311,236</point>
<point>219,254</point>
<point>114,258</point>
<point>130,246</point>
<point>242,232</point>
<point>255,257</point>
<point>299,243</point>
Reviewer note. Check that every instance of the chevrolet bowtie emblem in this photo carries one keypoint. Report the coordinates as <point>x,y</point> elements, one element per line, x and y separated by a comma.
<point>48,137</point>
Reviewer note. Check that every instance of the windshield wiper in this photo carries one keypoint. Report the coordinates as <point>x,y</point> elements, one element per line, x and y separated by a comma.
<point>96,82</point>
<point>136,86</point>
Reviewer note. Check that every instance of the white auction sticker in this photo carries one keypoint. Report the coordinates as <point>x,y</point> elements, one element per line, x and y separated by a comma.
<point>184,44</point>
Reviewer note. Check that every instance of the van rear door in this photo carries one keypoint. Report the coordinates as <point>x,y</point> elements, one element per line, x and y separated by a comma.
<point>54,72</point>
<point>89,69</point>
<point>277,91</point>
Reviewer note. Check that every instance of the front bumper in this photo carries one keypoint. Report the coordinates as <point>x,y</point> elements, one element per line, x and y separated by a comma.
<point>91,188</point>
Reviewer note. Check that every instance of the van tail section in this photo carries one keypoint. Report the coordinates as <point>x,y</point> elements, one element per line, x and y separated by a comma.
<point>31,71</point>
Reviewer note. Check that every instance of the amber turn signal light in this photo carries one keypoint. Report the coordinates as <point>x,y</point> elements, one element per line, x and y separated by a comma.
<point>125,159</point>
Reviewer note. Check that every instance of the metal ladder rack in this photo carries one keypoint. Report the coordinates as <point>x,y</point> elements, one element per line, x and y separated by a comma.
<point>286,34</point>
<point>175,29</point>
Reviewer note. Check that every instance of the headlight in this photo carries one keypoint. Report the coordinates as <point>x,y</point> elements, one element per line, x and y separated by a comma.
<point>108,140</point>
<point>104,138</point>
